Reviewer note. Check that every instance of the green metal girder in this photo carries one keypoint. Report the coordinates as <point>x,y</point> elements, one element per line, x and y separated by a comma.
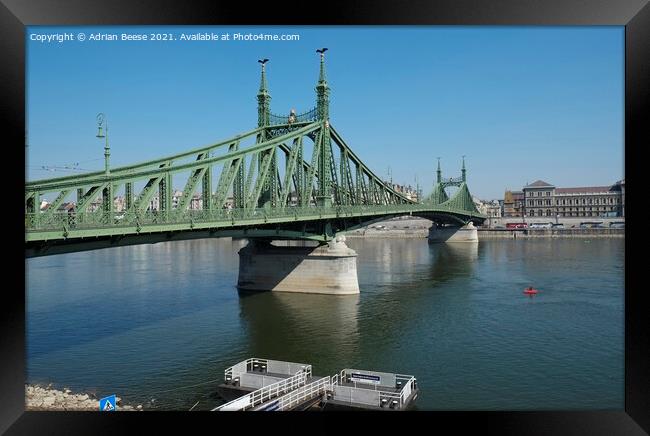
<point>289,171</point>
<point>191,184</point>
<point>61,183</point>
<point>142,202</point>
<point>89,196</point>
<point>354,158</point>
<point>462,200</point>
<point>309,182</point>
<point>261,181</point>
<point>90,178</point>
<point>57,202</point>
<point>249,178</point>
<point>231,173</point>
<point>224,220</point>
<point>128,195</point>
<point>357,195</point>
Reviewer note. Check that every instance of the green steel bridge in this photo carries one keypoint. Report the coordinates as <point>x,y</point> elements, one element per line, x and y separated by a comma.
<point>293,177</point>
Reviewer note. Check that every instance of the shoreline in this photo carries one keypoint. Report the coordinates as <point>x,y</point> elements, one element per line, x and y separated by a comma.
<point>550,233</point>
<point>408,227</point>
<point>46,398</point>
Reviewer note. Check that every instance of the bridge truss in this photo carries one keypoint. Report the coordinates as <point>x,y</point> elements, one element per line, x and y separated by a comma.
<point>291,177</point>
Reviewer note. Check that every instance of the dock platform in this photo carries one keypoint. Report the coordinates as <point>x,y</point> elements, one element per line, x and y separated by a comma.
<point>268,385</point>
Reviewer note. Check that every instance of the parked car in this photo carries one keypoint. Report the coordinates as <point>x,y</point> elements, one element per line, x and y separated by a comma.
<point>558,226</point>
<point>617,225</point>
<point>541,225</point>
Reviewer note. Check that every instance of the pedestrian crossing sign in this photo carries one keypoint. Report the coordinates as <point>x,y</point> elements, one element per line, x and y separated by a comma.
<point>107,404</point>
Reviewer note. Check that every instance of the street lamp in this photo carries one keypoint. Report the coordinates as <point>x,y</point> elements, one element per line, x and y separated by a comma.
<point>102,122</point>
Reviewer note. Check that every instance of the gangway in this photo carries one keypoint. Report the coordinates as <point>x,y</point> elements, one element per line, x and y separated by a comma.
<point>263,396</point>
<point>300,398</point>
<point>255,373</point>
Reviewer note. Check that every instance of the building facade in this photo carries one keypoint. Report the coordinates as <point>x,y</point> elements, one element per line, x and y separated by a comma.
<point>542,199</point>
<point>513,204</point>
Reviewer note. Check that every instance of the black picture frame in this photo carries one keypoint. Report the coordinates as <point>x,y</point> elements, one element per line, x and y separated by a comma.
<point>16,14</point>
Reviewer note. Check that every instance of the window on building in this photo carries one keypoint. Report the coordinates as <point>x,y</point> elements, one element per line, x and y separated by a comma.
<point>548,212</point>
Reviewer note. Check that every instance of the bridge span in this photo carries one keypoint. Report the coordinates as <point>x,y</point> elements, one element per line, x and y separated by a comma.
<point>292,178</point>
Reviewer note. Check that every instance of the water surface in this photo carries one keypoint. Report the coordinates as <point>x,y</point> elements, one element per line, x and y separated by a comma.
<point>145,322</point>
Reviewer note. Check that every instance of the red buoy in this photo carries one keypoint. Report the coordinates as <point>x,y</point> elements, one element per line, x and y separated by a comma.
<point>530,291</point>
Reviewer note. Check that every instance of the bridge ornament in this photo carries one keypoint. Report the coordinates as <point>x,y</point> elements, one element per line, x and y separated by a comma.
<point>313,183</point>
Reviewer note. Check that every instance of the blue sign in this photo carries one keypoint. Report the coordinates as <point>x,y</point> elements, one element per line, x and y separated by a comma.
<point>107,404</point>
<point>364,378</point>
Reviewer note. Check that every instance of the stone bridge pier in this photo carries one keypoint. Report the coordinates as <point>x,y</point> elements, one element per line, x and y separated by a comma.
<point>325,269</point>
<point>466,233</point>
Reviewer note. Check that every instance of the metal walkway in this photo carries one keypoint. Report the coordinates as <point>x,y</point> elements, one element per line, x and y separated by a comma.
<point>351,388</point>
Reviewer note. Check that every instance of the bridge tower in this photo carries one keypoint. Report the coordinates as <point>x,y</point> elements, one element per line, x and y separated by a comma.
<point>463,172</point>
<point>438,195</point>
<point>263,99</point>
<point>325,166</point>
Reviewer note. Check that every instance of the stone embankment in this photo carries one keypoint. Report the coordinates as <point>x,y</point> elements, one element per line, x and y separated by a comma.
<point>414,227</point>
<point>404,227</point>
<point>47,398</point>
<point>550,233</point>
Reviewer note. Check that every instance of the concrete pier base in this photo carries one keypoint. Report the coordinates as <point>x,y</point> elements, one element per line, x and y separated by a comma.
<point>326,269</point>
<point>467,233</point>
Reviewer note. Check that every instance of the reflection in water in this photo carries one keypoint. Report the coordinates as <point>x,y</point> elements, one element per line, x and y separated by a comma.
<point>452,259</point>
<point>301,327</point>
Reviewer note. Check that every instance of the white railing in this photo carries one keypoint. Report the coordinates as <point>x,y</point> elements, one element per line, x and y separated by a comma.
<point>407,386</point>
<point>266,393</point>
<point>236,370</point>
<point>240,368</point>
<point>307,392</point>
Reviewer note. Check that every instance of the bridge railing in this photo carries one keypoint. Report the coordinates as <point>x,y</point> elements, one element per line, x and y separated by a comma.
<point>102,219</point>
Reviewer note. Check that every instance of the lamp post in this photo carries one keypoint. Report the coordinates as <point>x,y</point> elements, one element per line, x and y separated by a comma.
<point>102,122</point>
<point>107,193</point>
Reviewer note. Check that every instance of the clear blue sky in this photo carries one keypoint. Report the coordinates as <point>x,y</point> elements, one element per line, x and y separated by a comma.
<point>522,103</point>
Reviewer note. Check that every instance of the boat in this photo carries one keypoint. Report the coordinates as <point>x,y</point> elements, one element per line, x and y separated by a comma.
<point>530,291</point>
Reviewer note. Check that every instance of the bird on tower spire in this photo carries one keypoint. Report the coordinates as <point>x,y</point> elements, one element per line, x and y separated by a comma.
<point>322,90</point>
<point>322,77</point>
<point>263,98</point>
<point>263,87</point>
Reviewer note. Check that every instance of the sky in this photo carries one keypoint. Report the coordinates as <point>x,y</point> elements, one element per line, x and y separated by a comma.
<point>521,103</point>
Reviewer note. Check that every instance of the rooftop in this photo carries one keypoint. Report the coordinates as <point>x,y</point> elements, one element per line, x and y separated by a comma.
<point>539,184</point>
<point>586,189</point>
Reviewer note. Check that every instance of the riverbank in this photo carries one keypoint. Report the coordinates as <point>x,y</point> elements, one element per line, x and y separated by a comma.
<point>401,227</point>
<point>416,228</point>
<point>550,233</point>
<point>46,398</point>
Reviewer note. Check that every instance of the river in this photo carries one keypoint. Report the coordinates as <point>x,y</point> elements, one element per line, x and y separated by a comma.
<point>148,322</point>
